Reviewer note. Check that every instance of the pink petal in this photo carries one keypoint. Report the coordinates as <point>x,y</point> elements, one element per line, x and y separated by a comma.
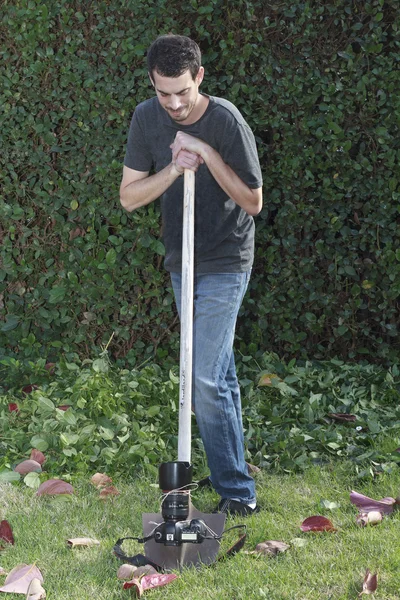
<point>6,533</point>
<point>53,487</point>
<point>317,523</point>
<point>366,504</point>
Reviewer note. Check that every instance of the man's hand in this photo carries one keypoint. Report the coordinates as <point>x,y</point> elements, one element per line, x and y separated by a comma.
<point>185,143</point>
<point>186,160</point>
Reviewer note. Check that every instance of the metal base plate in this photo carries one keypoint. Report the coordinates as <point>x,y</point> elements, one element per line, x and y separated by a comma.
<point>186,555</point>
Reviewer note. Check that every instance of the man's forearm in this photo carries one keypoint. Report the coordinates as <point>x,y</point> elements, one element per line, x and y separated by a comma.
<point>143,191</point>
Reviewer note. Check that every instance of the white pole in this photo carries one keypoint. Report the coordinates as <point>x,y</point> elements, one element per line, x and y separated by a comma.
<point>186,341</point>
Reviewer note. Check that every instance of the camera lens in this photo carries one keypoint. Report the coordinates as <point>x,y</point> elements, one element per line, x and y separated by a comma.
<point>175,506</point>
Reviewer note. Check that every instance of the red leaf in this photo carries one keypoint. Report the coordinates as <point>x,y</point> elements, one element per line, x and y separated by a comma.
<point>27,466</point>
<point>108,491</point>
<point>366,504</point>
<point>12,407</point>
<point>134,583</point>
<point>6,533</point>
<point>52,487</point>
<point>29,388</point>
<point>50,367</point>
<point>317,523</point>
<point>342,417</point>
<point>38,456</point>
<point>370,583</point>
<point>64,407</point>
<point>152,581</point>
<point>19,578</point>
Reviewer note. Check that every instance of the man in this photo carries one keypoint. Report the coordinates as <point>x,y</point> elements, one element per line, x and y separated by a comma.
<point>179,129</point>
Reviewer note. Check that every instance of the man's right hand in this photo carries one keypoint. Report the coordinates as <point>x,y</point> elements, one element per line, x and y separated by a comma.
<point>187,160</point>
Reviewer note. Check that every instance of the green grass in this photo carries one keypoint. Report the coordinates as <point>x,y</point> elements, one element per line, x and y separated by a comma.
<point>328,566</point>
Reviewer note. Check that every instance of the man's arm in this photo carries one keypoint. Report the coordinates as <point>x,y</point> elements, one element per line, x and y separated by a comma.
<point>138,189</point>
<point>247,198</point>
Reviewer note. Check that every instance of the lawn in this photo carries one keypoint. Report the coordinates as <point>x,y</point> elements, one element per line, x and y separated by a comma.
<point>320,565</point>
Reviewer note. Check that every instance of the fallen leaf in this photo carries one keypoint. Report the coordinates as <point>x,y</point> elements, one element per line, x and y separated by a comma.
<point>329,505</point>
<point>342,417</point>
<point>6,533</point>
<point>108,491</point>
<point>35,590</point>
<point>64,407</point>
<point>126,571</point>
<point>145,570</point>
<point>370,583</point>
<point>252,469</point>
<point>268,379</point>
<point>136,585</point>
<point>38,456</point>
<point>271,547</point>
<point>18,580</point>
<point>28,466</point>
<point>369,518</point>
<point>101,480</point>
<point>368,504</point>
<point>317,523</point>
<point>12,407</point>
<point>149,582</point>
<point>83,541</point>
<point>53,487</point>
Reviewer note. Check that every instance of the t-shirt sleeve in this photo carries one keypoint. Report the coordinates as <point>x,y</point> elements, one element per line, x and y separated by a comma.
<point>239,151</point>
<point>137,154</point>
<point>236,144</point>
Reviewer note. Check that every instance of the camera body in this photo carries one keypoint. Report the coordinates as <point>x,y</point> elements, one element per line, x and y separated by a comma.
<point>175,533</point>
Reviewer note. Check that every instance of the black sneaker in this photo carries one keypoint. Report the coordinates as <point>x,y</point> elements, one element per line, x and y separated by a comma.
<point>206,482</point>
<point>233,507</point>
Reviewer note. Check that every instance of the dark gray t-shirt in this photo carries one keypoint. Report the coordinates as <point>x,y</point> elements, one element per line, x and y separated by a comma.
<point>224,232</point>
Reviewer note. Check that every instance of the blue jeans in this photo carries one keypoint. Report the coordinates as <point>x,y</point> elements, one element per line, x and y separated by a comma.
<point>216,394</point>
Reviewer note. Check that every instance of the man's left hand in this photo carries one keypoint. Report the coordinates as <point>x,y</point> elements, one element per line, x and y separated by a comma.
<point>184,141</point>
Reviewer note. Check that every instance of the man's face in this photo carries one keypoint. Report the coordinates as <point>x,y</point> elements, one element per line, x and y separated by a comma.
<point>179,95</point>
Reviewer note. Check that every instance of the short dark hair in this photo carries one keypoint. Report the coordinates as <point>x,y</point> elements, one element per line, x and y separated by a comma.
<point>171,55</point>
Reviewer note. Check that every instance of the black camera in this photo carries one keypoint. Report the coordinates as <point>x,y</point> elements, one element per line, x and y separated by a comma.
<point>172,533</point>
<point>174,477</point>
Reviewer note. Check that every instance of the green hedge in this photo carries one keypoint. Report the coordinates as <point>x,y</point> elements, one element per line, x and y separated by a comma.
<point>317,81</point>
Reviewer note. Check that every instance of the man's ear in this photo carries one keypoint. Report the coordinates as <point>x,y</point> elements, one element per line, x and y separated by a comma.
<point>151,79</point>
<point>200,76</point>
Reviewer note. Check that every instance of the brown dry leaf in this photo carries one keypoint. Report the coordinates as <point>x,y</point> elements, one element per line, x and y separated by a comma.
<point>82,541</point>
<point>268,379</point>
<point>28,466</point>
<point>372,517</point>
<point>126,571</point>
<point>342,417</point>
<point>38,456</point>
<point>101,480</point>
<point>35,590</point>
<point>53,487</point>
<point>317,523</point>
<point>271,547</point>
<point>370,583</point>
<point>6,533</point>
<point>108,491</point>
<point>366,504</point>
<point>18,580</point>
<point>252,469</point>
